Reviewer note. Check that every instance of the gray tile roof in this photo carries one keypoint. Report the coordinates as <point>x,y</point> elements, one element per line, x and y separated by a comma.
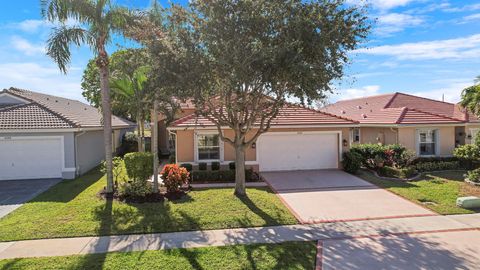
<point>46,111</point>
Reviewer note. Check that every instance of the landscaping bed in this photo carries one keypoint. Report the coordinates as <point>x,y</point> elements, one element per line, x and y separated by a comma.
<point>289,255</point>
<point>72,208</point>
<point>437,191</point>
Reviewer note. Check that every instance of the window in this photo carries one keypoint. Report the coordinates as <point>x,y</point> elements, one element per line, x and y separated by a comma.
<point>355,135</point>
<point>208,146</point>
<point>427,142</point>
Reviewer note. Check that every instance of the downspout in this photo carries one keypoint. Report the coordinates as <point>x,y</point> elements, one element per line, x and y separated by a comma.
<point>176,142</point>
<point>77,168</point>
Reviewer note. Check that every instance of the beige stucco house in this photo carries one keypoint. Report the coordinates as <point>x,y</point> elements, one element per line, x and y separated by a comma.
<point>301,138</point>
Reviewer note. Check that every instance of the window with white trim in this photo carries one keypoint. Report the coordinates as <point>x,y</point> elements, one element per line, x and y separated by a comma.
<point>208,147</point>
<point>355,135</point>
<point>427,142</point>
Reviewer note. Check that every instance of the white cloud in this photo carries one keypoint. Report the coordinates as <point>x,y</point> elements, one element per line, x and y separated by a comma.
<point>31,26</point>
<point>382,4</point>
<point>42,78</point>
<point>24,46</point>
<point>396,22</point>
<point>451,92</point>
<point>472,17</point>
<point>364,91</point>
<point>458,48</point>
<point>472,7</point>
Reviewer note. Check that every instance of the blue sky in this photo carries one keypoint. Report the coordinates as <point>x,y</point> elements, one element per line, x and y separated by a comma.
<point>422,47</point>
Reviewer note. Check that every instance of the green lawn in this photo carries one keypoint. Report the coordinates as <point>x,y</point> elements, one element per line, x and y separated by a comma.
<point>437,191</point>
<point>71,208</point>
<point>290,255</point>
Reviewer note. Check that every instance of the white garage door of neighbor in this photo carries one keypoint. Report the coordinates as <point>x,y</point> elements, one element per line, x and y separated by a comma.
<point>30,158</point>
<point>297,151</point>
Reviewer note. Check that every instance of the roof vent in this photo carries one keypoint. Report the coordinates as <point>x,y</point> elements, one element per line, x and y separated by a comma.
<point>56,100</point>
<point>364,115</point>
<point>48,98</point>
<point>342,112</point>
<point>85,108</point>
<point>359,107</point>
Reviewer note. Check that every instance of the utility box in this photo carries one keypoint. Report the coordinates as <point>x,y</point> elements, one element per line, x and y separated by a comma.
<point>468,202</point>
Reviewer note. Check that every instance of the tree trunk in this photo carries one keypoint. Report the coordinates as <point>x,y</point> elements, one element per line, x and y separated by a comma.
<point>142,130</point>
<point>240,170</point>
<point>155,145</point>
<point>107,120</point>
<point>139,133</point>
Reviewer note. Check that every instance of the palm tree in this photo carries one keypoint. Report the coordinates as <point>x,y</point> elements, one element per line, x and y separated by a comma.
<point>471,99</point>
<point>96,21</point>
<point>476,81</point>
<point>133,88</point>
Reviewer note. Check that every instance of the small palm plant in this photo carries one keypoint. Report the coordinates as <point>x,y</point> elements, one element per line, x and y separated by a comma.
<point>96,22</point>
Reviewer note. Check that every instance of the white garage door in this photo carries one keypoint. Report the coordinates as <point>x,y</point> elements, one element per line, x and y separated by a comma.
<point>30,158</point>
<point>280,151</point>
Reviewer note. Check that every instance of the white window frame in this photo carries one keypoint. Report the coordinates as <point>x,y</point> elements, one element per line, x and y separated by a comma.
<point>352,141</point>
<point>436,142</point>
<point>196,153</point>
<point>474,132</point>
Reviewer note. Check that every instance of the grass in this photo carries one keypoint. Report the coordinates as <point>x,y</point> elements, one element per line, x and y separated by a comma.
<point>290,255</point>
<point>71,208</point>
<point>436,191</point>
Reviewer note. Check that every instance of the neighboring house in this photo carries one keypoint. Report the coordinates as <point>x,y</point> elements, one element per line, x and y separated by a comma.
<point>302,138</point>
<point>44,136</point>
<point>429,127</point>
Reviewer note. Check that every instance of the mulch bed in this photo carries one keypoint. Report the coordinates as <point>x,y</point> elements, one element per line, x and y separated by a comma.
<point>149,198</point>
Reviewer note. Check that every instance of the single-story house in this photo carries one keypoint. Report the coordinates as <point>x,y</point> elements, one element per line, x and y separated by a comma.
<point>302,138</point>
<point>44,136</point>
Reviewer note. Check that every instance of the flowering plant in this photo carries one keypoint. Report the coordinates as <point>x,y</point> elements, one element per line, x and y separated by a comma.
<point>174,177</point>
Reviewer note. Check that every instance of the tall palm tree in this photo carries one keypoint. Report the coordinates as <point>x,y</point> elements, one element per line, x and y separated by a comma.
<point>133,88</point>
<point>471,99</point>
<point>96,21</point>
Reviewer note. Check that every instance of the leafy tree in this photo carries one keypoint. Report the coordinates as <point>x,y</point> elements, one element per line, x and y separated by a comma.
<point>123,61</point>
<point>241,60</point>
<point>97,20</point>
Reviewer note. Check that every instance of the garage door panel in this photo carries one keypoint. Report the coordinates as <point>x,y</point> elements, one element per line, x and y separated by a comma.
<point>298,151</point>
<point>30,158</point>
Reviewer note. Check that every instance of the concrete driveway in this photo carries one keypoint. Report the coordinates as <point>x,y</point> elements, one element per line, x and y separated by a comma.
<point>16,192</point>
<point>333,195</point>
<point>445,250</point>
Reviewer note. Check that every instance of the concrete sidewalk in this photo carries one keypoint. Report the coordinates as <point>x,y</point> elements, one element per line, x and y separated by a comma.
<point>275,234</point>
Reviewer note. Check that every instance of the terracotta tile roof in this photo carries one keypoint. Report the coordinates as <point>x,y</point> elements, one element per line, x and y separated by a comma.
<point>290,115</point>
<point>399,108</point>
<point>41,107</point>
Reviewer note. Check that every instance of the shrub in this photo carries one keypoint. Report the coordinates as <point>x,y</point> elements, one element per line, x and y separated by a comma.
<point>231,165</point>
<point>174,177</point>
<point>202,166</point>
<point>226,176</point>
<point>437,166</point>
<point>474,175</point>
<point>187,166</point>
<point>403,173</point>
<point>352,162</point>
<point>407,158</point>
<point>374,155</point>
<point>117,168</point>
<point>433,159</point>
<point>139,166</point>
<point>468,154</point>
<point>129,143</point>
<point>215,166</point>
<point>135,189</point>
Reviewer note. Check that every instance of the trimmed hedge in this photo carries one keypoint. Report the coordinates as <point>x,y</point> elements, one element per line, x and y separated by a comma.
<point>370,152</point>
<point>397,173</point>
<point>223,176</point>
<point>438,166</point>
<point>433,159</point>
<point>139,166</point>
<point>187,166</point>
<point>352,162</point>
<point>215,166</point>
<point>202,166</point>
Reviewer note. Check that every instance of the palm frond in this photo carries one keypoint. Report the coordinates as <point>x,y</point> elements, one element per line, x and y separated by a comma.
<point>82,11</point>
<point>60,40</point>
<point>123,86</point>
